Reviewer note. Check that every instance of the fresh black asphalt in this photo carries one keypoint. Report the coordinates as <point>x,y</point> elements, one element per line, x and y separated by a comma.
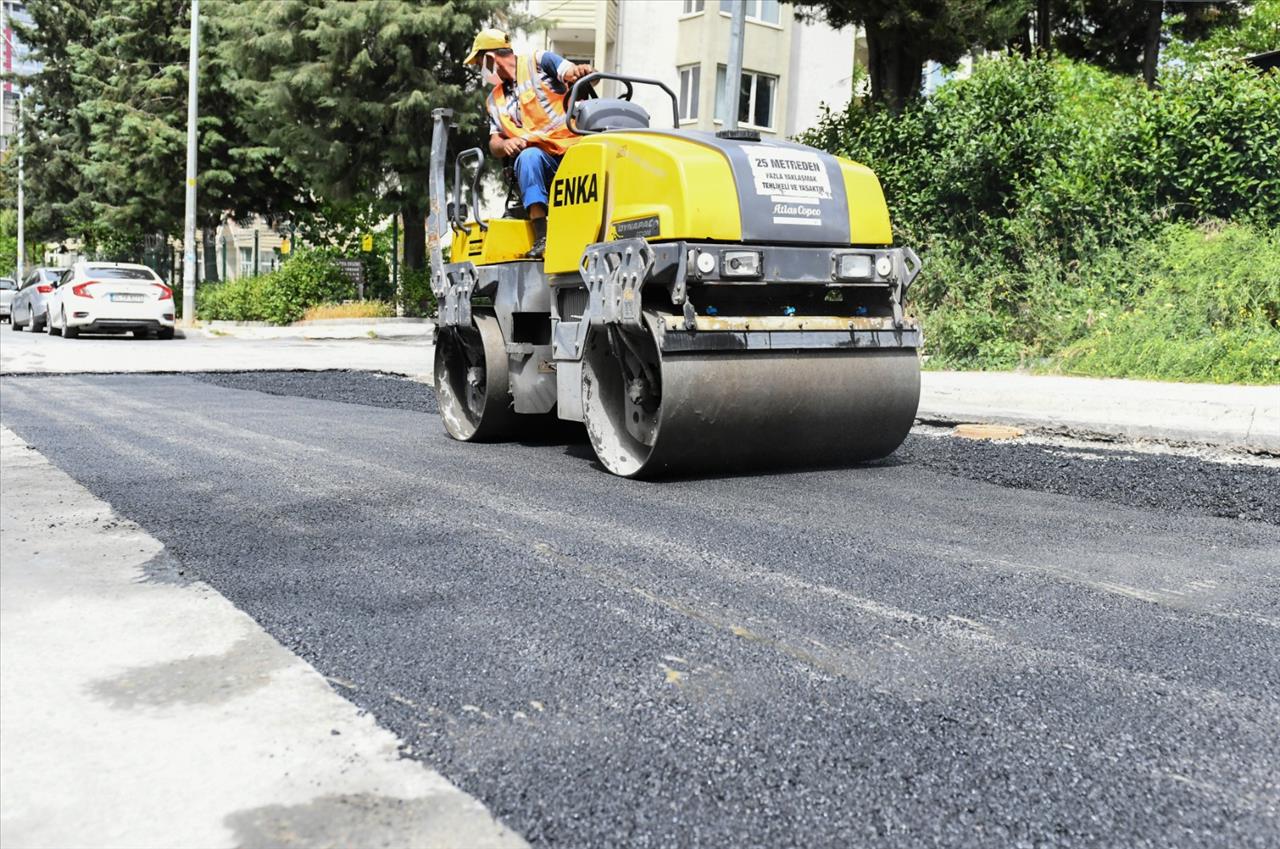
<point>968,644</point>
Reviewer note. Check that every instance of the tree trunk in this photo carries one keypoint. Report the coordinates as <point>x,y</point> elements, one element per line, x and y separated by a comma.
<point>415,253</point>
<point>1151,43</point>
<point>210,238</point>
<point>874,69</point>
<point>896,71</point>
<point>1044,27</point>
<point>1024,42</point>
<point>415,237</point>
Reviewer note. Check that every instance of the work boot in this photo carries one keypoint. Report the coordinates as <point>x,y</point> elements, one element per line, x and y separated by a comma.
<point>539,238</point>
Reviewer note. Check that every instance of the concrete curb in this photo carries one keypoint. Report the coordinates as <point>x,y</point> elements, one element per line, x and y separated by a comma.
<point>1244,418</point>
<point>344,322</point>
<point>340,328</point>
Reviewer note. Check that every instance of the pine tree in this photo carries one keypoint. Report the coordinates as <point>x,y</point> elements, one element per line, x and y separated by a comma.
<point>346,90</point>
<point>106,131</point>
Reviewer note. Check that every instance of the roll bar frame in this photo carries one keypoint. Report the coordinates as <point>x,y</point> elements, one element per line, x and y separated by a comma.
<point>573,97</point>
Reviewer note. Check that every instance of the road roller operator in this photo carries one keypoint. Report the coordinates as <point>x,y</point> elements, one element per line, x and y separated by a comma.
<point>526,117</point>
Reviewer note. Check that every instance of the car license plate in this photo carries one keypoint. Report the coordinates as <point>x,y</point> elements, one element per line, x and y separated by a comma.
<point>128,299</point>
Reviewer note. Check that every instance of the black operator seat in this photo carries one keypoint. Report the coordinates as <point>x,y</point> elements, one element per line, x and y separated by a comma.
<point>608,113</point>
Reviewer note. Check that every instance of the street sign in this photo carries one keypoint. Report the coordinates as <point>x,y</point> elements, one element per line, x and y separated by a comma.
<point>354,269</point>
<point>285,246</point>
<point>366,242</point>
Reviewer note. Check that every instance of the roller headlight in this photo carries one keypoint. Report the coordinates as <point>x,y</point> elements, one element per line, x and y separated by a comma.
<point>741,264</point>
<point>706,262</point>
<point>853,267</point>
<point>884,266</point>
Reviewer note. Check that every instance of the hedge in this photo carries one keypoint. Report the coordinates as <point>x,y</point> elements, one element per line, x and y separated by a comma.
<point>306,279</point>
<point>1035,188</point>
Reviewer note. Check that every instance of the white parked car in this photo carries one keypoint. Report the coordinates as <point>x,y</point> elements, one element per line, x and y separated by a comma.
<point>110,297</point>
<point>28,306</point>
<point>8,288</point>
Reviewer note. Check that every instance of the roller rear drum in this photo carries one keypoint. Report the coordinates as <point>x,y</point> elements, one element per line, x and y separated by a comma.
<point>471,381</point>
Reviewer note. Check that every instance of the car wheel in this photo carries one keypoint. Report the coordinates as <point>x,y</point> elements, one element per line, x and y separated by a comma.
<point>37,325</point>
<point>165,333</point>
<point>141,333</point>
<point>68,332</point>
<point>48,323</point>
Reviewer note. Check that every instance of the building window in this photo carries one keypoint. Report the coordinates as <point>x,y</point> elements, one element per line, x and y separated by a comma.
<point>246,262</point>
<point>765,11</point>
<point>690,80</point>
<point>755,101</point>
<point>693,7</point>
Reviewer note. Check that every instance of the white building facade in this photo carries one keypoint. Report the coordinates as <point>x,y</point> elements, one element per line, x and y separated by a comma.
<point>789,67</point>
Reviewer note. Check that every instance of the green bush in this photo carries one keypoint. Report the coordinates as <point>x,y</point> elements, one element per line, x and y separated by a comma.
<point>234,300</point>
<point>1034,190</point>
<point>419,300</point>
<point>306,279</point>
<point>309,278</point>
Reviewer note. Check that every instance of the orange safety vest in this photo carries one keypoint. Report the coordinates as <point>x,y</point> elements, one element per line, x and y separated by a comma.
<point>542,116</point>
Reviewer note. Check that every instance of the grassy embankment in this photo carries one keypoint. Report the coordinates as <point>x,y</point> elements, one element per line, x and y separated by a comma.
<point>1073,221</point>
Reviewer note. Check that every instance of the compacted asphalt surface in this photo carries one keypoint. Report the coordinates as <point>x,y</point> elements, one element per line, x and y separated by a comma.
<point>966,644</point>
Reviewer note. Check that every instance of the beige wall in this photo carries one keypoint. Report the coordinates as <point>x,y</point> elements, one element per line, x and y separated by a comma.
<point>652,38</point>
<point>580,29</point>
<point>238,235</point>
<point>766,49</point>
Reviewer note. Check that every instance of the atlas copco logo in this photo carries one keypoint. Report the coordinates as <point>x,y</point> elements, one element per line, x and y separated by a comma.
<point>567,191</point>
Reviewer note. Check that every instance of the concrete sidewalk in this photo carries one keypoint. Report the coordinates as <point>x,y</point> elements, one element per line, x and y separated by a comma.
<point>140,708</point>
<point>1240,417</point>
<point>38,353</point>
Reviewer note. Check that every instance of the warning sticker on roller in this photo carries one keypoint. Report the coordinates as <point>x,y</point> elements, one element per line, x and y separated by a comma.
<point>795,180</point>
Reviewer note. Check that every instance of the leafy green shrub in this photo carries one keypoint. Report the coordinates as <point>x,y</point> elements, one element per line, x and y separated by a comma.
<point>1070,145</point>
<point>377,277</point>
<point>306,279</point>
<point>234,300</point>
<point>1033,188</point>
<point>419,300</point>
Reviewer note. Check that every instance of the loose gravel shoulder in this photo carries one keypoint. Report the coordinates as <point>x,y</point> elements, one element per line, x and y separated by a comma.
<point>1166,482</point>
<point>368,389</point>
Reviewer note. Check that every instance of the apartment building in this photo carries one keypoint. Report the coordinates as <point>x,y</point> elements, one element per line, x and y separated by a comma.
<point>789,67</point>
<point>14,59</point>
<point>247,248</point>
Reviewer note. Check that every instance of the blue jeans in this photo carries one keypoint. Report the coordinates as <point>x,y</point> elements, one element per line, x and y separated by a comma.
<point>534,170</point>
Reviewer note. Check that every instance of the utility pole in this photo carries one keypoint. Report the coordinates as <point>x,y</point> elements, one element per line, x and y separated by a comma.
<point>189,234</point>
<point>4,50</point>
<point>22,206</point>
<point>733,72</point>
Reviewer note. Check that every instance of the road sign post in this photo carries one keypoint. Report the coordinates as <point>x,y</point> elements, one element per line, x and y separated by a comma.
<point>189,230</point>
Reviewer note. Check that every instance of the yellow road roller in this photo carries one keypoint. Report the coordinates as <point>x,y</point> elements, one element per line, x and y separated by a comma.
<point>707,302</point>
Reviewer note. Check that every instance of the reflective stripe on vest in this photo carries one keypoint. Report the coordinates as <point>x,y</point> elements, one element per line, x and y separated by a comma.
<point>541,109</point>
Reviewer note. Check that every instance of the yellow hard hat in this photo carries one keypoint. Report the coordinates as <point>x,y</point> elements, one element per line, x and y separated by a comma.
<point>488,39</point>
